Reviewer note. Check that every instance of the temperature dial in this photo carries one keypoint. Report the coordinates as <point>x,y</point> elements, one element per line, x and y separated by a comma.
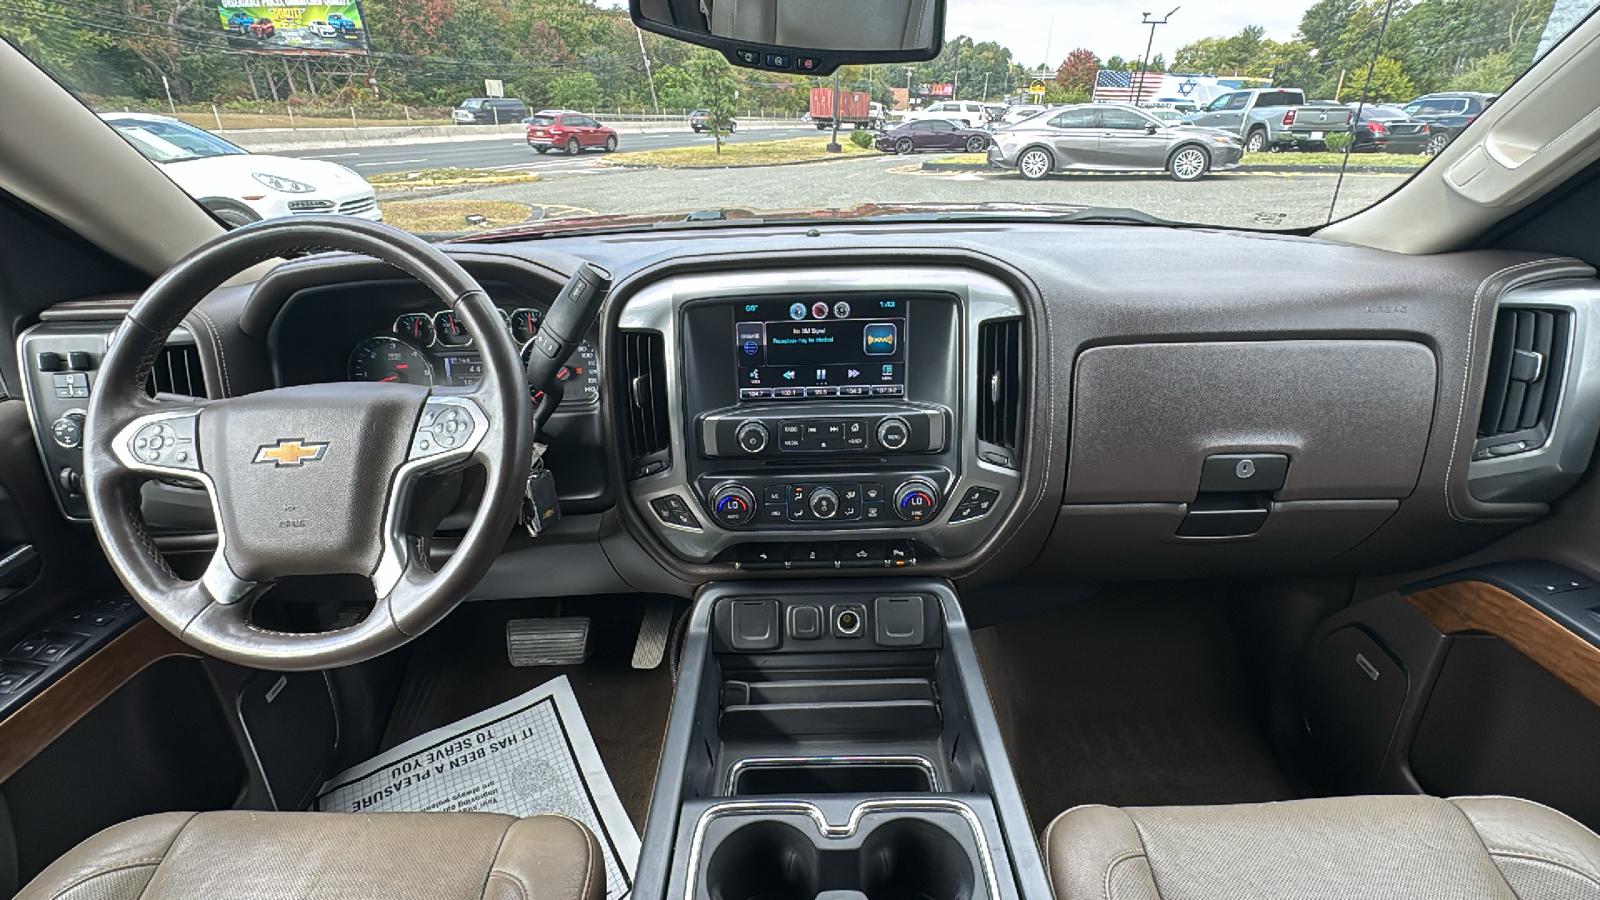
<point>733,505</point>
<point>916,500</point>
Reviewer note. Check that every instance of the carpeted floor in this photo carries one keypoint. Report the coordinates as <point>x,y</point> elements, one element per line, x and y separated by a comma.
<point>459,668</point>
<point>1132,697</point>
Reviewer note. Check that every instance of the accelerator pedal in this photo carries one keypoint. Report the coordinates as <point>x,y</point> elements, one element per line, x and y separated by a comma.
<point>652,643</point>
<point>562,641</point>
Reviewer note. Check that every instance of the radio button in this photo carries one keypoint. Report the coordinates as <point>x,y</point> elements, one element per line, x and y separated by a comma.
<point>888,390</point>
<point>854,390</point>
<point>752,437</point>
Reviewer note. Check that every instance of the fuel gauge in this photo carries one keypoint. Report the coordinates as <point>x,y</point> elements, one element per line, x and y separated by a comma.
<point>452,332</point>
<point>416,328</point>
<point>524,324</point>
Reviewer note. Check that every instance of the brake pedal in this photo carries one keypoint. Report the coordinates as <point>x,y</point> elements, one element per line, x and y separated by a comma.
<point>560,641</point>
<point>653,631</point>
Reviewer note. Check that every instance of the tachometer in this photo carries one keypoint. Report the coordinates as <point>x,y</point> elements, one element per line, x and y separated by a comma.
<point>417,328</point>
<point>389,359</point>
<point>581,373</point>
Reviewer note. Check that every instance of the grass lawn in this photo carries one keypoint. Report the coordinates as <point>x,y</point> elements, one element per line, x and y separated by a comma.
<point>1333,159</point>
<point>451,215</point>
<point>438,177</point>
<point>751,153</point>
<point>232,121</point>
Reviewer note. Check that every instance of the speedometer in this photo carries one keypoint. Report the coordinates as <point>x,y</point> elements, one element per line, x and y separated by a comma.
<point>388,359</point>
<point>581,373</point>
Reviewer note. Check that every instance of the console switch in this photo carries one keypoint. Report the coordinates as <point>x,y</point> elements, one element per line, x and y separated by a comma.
<point>754,625</point>
<point>897,621</point>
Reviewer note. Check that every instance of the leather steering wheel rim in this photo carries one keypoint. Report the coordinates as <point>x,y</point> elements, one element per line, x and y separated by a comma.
<point>278,506</point>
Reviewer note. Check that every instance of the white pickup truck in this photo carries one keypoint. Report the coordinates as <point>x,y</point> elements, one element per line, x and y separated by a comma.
<point>1272,118</point>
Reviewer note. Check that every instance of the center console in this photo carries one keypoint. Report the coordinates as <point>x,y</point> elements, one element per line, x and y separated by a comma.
<point>823,419</point>
<point>834,739</point>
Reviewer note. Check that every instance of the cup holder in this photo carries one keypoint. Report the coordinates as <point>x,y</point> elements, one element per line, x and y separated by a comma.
<point>890,856</point>
<point>914,859</point>
<point>764,860</point>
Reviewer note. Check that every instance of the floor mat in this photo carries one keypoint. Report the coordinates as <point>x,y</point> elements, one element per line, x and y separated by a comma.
<point>459,667</point>
<point>1130,698</point>
<point>528,756</point>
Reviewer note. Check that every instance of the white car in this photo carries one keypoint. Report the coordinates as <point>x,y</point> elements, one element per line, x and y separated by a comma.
<point>240,187</point>
<point>322,29</point>
<point>968,112</point>
<point>1022,113</point>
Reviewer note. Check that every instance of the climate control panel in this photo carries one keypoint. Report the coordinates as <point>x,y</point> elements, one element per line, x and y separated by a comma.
<point>782,503</point>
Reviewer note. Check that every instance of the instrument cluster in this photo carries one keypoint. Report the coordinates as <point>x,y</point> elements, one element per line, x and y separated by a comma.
<point>437,350</point>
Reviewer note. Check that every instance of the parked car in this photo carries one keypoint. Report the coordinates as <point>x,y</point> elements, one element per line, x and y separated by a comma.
<point>345,27</point>
<point>1020,113</point>
<point>700,120</point>
<point>567,130</point>
<point>1386,129</point>
<point>240,21</point>
<point>322,29</point>
<point>1112,137</point>
<point>240,187</point>
<point>489,111</point>
<point>1272,118</point>
<point>262,29</point>
<point>1447,114</point>
<point>969,112</point>
<point>932,134</point>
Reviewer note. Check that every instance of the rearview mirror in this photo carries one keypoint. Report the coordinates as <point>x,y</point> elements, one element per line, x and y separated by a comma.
<point>808,37</point>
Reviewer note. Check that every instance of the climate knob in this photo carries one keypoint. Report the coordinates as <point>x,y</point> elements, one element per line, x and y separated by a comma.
<point>893,433</point>
<point>752,437</point>
<point>733,505</point>
<point>824,503</point>
<point>916,500</point>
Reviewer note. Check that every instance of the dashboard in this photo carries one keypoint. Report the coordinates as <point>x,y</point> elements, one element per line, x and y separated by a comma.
<point>978,402</point>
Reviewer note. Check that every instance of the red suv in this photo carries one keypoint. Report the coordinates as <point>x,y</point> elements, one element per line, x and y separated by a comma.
<point>262,29</point>
<point>567,130</point>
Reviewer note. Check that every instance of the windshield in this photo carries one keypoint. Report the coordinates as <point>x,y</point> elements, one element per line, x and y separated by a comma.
<point>458,117</point>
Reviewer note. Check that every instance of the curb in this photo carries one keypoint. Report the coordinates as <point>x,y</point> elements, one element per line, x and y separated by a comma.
<point>277,140</point>
<point>1272,169</point>
<point>454,182</point>
<point>793,162</point>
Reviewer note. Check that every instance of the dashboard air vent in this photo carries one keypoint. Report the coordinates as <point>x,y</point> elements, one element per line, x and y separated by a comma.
<point>177,371</point>
<point>1527,366</point>
<point>649,430</point>
<point>1000,389</point>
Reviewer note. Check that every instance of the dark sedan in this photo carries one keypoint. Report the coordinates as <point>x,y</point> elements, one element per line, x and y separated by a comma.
<point>1447,115</point>
<point>932,134</point>
<point>1384,129</point>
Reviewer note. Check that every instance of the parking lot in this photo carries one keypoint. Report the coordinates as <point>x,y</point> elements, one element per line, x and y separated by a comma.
<point>1249,200</point>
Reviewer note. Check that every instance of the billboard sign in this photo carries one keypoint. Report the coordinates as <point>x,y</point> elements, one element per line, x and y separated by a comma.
<point>293,26</point>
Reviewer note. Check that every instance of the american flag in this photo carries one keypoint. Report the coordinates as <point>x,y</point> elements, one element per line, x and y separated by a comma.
<point>1120,87</point>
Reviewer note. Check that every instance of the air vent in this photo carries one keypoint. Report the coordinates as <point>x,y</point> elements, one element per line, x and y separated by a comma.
<point>177,371</point>
<point>649,429</point>
<point>1000,389</point>
<point>1527,366</point>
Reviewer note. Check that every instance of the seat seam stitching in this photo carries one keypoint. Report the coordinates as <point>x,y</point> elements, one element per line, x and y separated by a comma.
<point>522,886</point>
<point>1105,877</point>
<point>142,862</point>
<point>484,890</point>
<point>1522,854</point>
<point>1473,827</point>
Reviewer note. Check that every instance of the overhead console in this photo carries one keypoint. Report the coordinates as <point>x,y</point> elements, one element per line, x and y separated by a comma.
<point>823,419</point>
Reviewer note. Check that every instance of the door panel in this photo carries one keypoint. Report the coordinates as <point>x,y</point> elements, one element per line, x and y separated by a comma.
<point>1075,137</point>
<point>1125,141</point>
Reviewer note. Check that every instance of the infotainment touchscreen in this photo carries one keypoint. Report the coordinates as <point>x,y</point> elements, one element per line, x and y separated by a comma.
<point>835,347</point>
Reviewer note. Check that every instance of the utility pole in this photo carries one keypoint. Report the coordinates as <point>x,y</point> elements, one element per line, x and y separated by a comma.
<point>647,73</point>
<point>986,87</point>
<point>833,145</point>
<point>1138,93</point>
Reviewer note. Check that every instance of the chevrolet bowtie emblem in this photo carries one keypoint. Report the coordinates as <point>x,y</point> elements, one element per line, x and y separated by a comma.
<point>290,453</point>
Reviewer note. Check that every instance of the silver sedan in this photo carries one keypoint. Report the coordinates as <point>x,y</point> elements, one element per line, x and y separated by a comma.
<point>1112,138</point>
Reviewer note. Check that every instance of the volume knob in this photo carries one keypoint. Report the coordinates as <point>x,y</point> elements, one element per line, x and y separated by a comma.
<point>752,437</point>
<point>916,500</point>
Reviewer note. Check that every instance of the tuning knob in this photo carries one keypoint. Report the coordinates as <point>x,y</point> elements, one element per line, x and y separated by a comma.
<point>893,433</point>
<point>916,500</point>
<point>733,505</point>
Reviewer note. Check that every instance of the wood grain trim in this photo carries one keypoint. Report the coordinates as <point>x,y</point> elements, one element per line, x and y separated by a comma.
<point>1475,606</point>
<point>28,731</point>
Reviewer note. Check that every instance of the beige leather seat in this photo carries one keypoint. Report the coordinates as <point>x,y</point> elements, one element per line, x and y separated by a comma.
<point>1426,848</point>
<point>312,856</point>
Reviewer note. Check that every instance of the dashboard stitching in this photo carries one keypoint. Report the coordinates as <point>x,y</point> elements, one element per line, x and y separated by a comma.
<point>216,343</point>
<point>1494,279</point>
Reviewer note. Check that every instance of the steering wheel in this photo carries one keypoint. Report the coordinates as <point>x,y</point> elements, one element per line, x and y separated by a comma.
<point>307,480</point>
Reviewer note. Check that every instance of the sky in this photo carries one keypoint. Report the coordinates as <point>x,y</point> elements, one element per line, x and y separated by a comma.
<point>1111,27</point>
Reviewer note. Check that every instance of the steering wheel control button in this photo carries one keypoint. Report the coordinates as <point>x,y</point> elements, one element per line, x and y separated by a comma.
<point>752,437</point>
<point>1244,472</point>
<point>672,510</point>
<point>975,504</point>
<point>734,505</point>
<point>443,427</point>
<point>893,433</point>
<point>916,500</point>
<point>824,503</point>
<point>753,625</point>
<point>168,443</point>
<point>68,430</point>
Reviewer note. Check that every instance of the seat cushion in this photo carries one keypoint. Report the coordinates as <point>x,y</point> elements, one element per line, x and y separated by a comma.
<point>1427,848</point>
<point>308,856</point>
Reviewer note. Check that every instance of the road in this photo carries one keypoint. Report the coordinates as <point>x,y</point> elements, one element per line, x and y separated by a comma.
<point>587,185</point>
<point>512,153</point>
